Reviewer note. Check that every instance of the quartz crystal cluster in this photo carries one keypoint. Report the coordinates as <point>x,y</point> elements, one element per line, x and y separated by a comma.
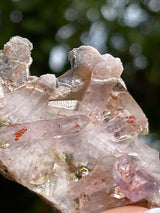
<point>74,139</point>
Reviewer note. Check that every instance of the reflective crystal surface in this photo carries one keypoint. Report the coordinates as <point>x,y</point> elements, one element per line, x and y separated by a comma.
<point>74,139</point>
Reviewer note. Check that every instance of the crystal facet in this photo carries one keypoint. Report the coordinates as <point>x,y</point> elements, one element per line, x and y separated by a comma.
<point>74,139</point>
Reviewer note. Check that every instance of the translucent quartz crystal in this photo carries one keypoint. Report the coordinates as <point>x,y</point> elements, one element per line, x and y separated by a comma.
<point>74,139</point>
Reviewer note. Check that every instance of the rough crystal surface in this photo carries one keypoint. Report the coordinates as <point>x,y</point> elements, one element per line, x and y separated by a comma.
<point>74,139</point>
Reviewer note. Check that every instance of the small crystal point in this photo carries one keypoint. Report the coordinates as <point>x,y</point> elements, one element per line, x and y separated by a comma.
<point>74,139</point>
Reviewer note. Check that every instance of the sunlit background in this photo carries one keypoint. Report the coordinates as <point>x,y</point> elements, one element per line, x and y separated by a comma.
<point>129,29</point>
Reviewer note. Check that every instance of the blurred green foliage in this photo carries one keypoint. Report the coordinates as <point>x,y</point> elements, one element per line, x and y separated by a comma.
<point>127,29</point>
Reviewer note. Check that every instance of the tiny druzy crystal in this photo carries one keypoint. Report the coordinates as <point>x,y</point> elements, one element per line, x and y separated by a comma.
<point>74,139</point>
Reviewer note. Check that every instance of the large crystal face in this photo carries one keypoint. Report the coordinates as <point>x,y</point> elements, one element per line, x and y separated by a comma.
<point>74,139</point>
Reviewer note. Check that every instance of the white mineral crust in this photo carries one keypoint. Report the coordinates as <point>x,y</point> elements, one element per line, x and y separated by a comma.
<point>74,139</point>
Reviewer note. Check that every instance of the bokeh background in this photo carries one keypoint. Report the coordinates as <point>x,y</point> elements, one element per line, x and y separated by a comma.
<point>129,29</point>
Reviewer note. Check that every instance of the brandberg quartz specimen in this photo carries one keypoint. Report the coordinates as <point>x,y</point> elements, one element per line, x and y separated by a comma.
<point>74,139</point>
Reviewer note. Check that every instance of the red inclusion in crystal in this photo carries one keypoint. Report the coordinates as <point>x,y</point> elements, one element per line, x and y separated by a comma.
<point>58,125</point>
<point>77,126</point>
<point>131,119</point>
<point>19,133</point>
